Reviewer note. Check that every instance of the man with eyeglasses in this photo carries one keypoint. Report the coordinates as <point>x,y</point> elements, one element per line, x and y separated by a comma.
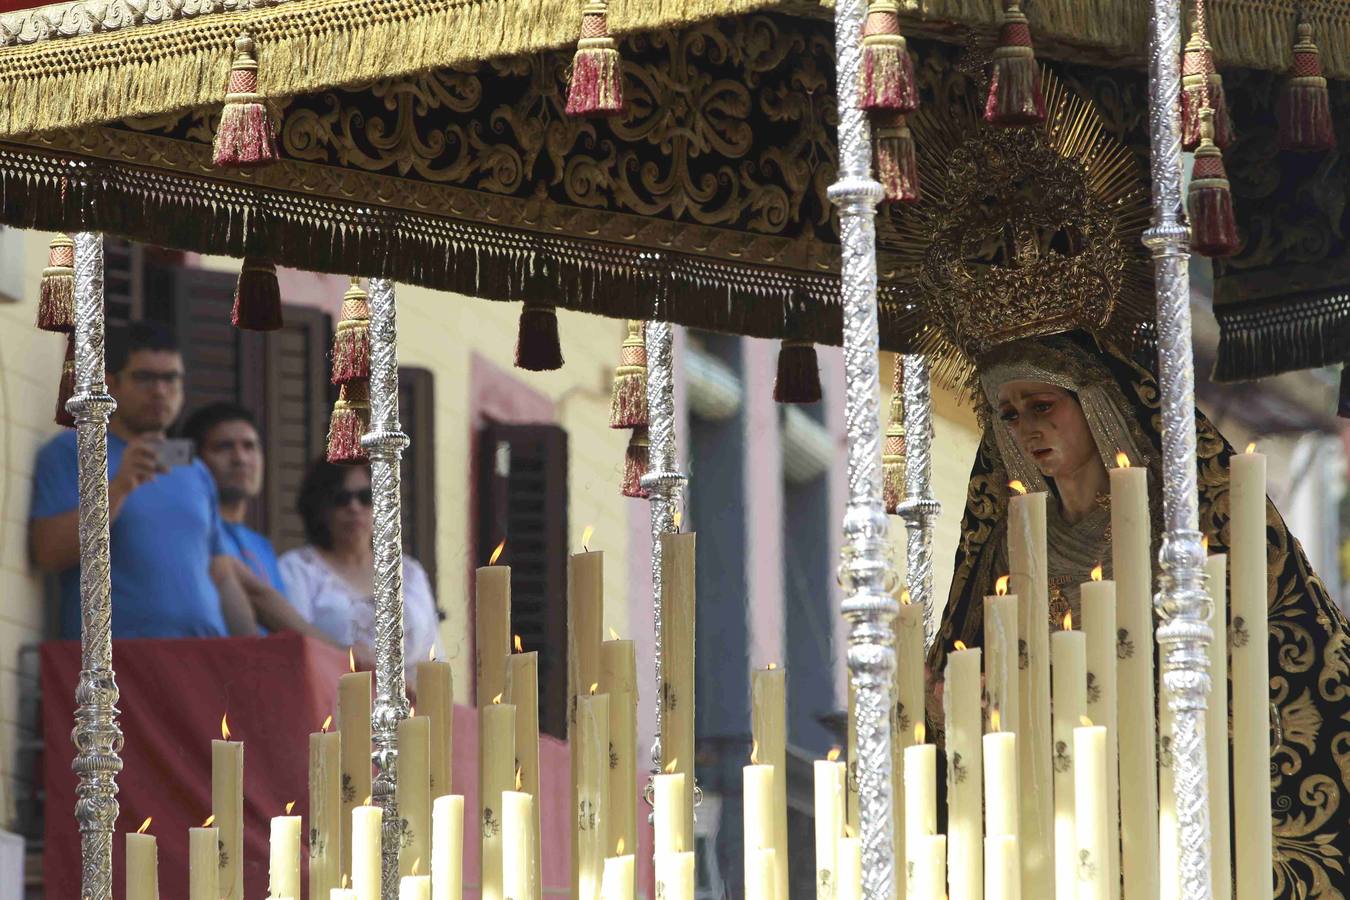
<point>171,573</point>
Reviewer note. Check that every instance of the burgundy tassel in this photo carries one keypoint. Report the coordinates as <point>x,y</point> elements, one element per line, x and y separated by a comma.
<point>537,345</point>
<point>351,343</point>
<point>1305,108</point>
<point>66,390</point>
<point>56,296</point>
<point>1015,99</point>
<point>1209,200</point>
<point>635,461</point>
<point>1200,80</point>
<point>246,136</point>
<point>897,164</point>
<point>887,70</point>
<point>351,419</point>
<point>596,87</point>
<point>798,378</point>
<point>257,297</point>
<point>628,401</point>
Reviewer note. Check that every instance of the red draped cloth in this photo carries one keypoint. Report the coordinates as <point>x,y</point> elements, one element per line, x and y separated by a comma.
<point>276,691</point>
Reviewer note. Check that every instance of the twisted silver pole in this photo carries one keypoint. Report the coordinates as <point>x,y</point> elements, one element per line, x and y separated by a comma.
<point>920,508</point>
<point>98,739</point>
<point>385,444</point>
<point>1182,601</point>
<point>865,572</point>
<point>663,480</point>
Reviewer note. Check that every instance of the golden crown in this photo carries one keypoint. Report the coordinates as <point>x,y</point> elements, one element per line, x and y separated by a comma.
<point>1020,233</point>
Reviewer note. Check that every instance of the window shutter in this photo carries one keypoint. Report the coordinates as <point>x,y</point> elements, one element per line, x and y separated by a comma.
<point>417,411</point>
<point>522,495</point>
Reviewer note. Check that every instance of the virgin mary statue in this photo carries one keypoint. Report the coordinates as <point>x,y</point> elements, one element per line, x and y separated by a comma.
<point>1028,283</point>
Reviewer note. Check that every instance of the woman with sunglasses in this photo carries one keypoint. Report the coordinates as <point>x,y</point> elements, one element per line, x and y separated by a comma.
<point>330,580</point>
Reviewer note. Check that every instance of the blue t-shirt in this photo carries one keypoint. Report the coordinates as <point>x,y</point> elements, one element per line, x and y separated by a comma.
<point>254,551</point>
<point>162,544</point>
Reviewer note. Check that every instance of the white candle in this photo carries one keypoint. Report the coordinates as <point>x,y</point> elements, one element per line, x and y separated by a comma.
<point>142,867</point>
<point>849,855</point>
<point>1250,647</point>
<point>768,721</point>
<point>591,761</point>
<point>414,790</point>
<point>1028,562</point>
<point>1216,730</point>
<point>284,863</point>
<point>497,734</point>
<point>204,863</point>
<point>1000,783</point>
<point>965,796</point>
<point>829,808</point>
<point>1002,868</point>
<point>447,848</point>
<point>669,808</point>
<point>366,823</point>
<point>1098,604</point>
<point>518,864</point>
<point>1000,658</point>
<point>1069,669</point>
<point>325,813</point>
<point>414,887</point>
<point>758,782</point>
<point>618,880</point>
<point>227,805</point>
<point>342,894</point>
<point>910,688</point>
<point>930,868</point>
<point>761,880</point>
<point>675,877</point>
<point>1132,566</point>
<point>354,726</point>
<point>920,803</point>
<point>1090,814</point>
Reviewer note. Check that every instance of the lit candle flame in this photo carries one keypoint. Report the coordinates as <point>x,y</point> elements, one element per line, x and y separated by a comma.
<point>919,733</point>
<point>1085,721</point>
<point>618,848</point>
<point>367,800</point>
<point>595,686</point>
<point>210,820</point>
<point>771,666</point>
<point>431,654</point>
<point>995,720</point>
<point>1097,572</point>
<point>1018,486</point>
<point>496,701</point>
<point>670,766</point>
<point>412,711</point>
<point>290,806</point>
<point>1001,586</point>
<point>754,752</point>
<point>1251,448</point>
<point>1204,543</point>
<point>679,517</point>
<point>520,648</point>
<point>416,867</point>
<point>586,534</point>
<point>1068,620</point>
<point>960,645</point>
<point>497,553</point>
<point>848,830</point>
<point>351,658</point>
<point>144,825</point>
<point>613,635</point>
<point>905,599</point>
<point>225,727</point>
<point>519,782</point>
<point>326,724</point>
<point>344,882</point>
<point>833,755</point>
<point>1122,461</point>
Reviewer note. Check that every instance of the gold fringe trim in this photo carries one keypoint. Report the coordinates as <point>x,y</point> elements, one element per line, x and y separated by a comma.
<point>304,45</point>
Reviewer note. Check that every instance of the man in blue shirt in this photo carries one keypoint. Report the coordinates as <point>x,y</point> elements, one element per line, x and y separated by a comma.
<point>225,436</point>
<point>171,575</point>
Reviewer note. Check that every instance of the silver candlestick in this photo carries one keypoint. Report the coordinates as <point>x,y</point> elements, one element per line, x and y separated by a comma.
<point>865,573</point>
<point>919,509</point>
<point>98,739</point>
<point>385,444</point>
<point>1183,601</point>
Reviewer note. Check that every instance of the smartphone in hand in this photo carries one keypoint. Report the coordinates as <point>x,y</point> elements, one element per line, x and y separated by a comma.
<point>175,452</point>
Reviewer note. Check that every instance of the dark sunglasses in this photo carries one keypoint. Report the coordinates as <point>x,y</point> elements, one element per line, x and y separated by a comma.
<point>342,498</point>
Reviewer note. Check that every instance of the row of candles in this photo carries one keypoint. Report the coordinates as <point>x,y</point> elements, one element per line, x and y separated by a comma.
<point>1047,817</point>
<point>1034,806</point>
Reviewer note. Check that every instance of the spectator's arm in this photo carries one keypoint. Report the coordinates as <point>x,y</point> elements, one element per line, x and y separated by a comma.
<point>234,603</point>
<point>54,541</point>
<point>268,605</point>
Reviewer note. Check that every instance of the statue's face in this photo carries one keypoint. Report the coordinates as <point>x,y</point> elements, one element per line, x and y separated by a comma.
<point>1048,424</point>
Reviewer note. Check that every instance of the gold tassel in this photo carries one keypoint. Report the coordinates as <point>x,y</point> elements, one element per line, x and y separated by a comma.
<point>351,342</point>
<point>351,420</point>
<point>56,297</point>
<point>628,400</point>
<point>246,136</point>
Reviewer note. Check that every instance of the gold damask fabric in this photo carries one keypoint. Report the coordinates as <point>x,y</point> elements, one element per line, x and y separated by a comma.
<point>1309,636</point>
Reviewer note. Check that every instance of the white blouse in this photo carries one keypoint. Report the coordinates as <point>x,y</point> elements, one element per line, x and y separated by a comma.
<point>328,602</point>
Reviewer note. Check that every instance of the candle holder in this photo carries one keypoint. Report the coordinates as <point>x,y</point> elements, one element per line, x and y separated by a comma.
<point>919,509</point>
<point>1182,602</point>
<point>385,444</point>
<point>865,574</point>
<point>97,737</point>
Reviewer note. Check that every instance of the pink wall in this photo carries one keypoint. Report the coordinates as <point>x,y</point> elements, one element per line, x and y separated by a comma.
<point>763,504</point>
